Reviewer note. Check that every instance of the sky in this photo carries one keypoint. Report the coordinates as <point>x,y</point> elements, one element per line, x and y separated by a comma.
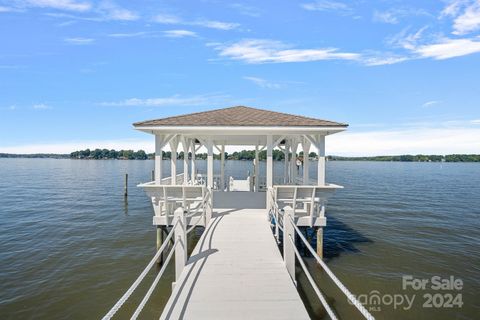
<point>405,75</point>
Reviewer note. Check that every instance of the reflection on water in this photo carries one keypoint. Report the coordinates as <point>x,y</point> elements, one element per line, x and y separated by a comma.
<point>70,245</point>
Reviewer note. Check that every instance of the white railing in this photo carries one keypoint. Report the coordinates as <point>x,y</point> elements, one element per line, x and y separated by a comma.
<point>179,232</point>
<point>291,253</point>
<point>167,198</point>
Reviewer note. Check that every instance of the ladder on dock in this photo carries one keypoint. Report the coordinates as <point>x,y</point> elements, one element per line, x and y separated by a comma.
<point>236,270</point>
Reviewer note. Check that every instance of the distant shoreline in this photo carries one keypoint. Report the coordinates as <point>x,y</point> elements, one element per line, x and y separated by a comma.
<point>242,155</point>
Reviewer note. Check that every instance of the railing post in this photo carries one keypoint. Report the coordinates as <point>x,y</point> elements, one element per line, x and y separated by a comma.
<point>180,233</point>
<point>209,206</point>
<point>289,233</point>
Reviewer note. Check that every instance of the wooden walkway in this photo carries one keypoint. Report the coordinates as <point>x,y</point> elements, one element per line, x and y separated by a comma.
<point>235,272</point>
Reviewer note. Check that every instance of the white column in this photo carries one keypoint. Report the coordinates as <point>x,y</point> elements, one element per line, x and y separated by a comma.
<point>209,163</point>
<point>222,168</point>
<point>306,150</point>
<point>269,169</point>
<point>256,168</point>
<point>173,160</point>
<point>185,145</point>
<point>286,152</point>
<point>293,161</point>
<point>321,160</point>
<point>193,167</point>
<point>159,144</point>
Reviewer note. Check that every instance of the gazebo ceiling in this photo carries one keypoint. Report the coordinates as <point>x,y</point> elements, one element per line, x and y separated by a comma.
<point>239,116</point>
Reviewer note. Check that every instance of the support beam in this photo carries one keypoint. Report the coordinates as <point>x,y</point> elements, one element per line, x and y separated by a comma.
<point>185,147</point>
<point>306,151</point>
<point>209,146</point>
<point>286,153</point>
<point>321,161</point>
<point>159,144</point>
<point>256,169</point>
<point>222,167</point>
<point>269,169</point>
<point>173,160</point>
<point>293,161</point>
<point>193,165</point>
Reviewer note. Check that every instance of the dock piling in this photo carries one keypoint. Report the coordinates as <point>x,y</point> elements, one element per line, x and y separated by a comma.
<point>320,242</point>
<point>125,194</point>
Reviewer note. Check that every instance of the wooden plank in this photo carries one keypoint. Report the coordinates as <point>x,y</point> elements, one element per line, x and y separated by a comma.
<point>235,272</point>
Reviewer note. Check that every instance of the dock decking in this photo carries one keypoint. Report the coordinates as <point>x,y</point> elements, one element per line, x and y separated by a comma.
<point>235,272</point>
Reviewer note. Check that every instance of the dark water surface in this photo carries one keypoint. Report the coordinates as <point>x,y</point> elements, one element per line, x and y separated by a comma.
<point>70,245</point>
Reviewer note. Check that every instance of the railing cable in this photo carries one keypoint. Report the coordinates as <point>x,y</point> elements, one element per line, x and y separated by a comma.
<point>339,284</point>
<point>142,275</point>
<point>312,282</point>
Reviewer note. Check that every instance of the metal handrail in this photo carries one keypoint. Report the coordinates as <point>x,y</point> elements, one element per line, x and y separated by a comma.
<point>332,276</point>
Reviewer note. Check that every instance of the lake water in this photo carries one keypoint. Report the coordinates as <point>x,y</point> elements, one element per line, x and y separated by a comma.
<point>70,245</point>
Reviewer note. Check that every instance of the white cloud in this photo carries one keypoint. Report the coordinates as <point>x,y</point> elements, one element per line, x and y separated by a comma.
<point>41,106</point>
<point>128,35</point>
<point>262,83</point>
<point>112,11</point>
<point>176,100</point>
<point>430,103</point>
<point>393,15</point>
<point>79,41</point>
<point>246,10</point>
<point>6,9</point>
<point>325,5</point>
<point>179,33</point>
<point>385,16</point>
<point>468,21</point>
<point>211,24</point>
<point>270,51</point>
<point>448,48</point>
<point>68,5</point>
<point>167,19</point>
<point>405,141</point>
<point>476,121</point>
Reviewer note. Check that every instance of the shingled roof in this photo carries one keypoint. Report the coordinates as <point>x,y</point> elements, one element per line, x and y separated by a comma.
<point>240,116</point>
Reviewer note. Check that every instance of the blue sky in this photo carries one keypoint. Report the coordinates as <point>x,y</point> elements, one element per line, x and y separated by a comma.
<point>404,74</point>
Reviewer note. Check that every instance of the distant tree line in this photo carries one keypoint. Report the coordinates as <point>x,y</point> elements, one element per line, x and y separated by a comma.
<point>99,154</point>
<point>34,155</point>
<point>414,158</point>
<point>277,155</point>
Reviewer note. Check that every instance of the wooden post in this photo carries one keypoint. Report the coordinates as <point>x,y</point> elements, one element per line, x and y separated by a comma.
<point>320,242</point>
<point>159,243</point>
<point>125,194</point>
<point>153,175</point>
<point>180,233</point>
<point>288,251</point>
